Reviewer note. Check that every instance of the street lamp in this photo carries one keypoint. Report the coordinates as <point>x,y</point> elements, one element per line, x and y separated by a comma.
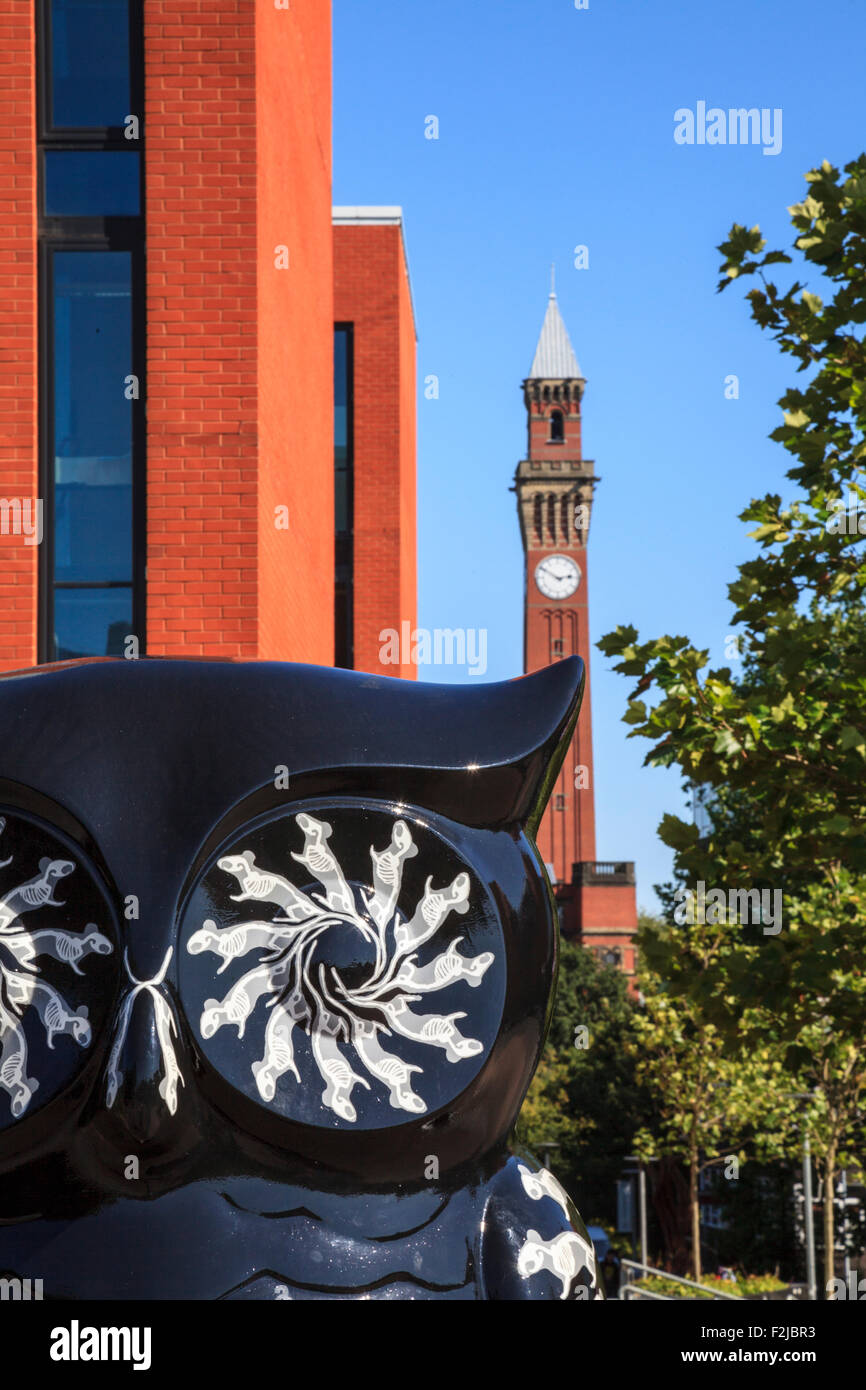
<point>632,1158</point>
<point>808,1214</point>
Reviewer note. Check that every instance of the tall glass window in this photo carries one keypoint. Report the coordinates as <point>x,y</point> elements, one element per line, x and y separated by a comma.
<point>91,228</point>
<point>343,477</point>
<point>91,308</point>
<point>91,183</point>
<point>89,68</point>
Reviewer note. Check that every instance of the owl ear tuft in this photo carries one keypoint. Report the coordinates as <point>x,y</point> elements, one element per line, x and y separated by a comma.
<point>544,707</point>
<point>497,749</point>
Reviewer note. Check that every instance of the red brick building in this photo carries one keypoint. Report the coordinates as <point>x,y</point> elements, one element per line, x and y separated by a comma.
<point>167,385</point>
<point>555,485</point>
<point>373,306</point>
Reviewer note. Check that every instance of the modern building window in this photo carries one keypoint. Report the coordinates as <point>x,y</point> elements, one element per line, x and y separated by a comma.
<point>91,539</point>
<point>557,427</point>
<point>91,183</point>
<point>87,62</point>
<point>343,497</point>
<point>91,292</point>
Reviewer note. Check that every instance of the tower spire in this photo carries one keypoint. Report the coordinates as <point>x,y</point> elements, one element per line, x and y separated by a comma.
<point>554,356</point>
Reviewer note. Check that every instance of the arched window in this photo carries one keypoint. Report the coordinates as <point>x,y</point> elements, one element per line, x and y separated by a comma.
<point>546,393</point>
<point>536,519</point>
<point>556,393</point>
<point>565,507</point>
<point>551,517</point>
<point>557,427</point>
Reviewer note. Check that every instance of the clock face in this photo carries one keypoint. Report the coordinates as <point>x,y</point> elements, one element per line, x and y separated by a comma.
<point>557,576</point>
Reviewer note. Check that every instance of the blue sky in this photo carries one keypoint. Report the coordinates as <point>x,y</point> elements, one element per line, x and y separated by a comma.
<point>556,130</point>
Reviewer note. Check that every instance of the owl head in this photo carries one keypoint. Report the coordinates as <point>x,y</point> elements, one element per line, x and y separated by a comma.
<point>272,915</point>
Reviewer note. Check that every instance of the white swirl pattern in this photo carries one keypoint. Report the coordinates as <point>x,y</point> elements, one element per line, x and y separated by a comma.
<point>305,994</point>
<point>21,988</point>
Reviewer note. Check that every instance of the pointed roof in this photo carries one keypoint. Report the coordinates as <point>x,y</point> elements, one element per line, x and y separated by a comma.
<point>554,357</point>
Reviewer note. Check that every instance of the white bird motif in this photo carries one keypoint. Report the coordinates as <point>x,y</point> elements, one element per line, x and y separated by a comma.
<point>21,984</point>
<point>542,1184</point>
<point>444,970</point>
<point>311,993</point>
<point>565,1256</point>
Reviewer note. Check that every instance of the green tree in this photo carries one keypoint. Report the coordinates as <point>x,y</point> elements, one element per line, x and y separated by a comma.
<point>779,749</point>
<point>719,1099</point>
<point>585,1095</point>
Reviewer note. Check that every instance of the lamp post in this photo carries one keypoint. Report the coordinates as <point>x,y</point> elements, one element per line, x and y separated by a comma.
<point>545,1146</point>
<point>641,1188</point>
<point>843,1193</point>
<point>808,1215</point>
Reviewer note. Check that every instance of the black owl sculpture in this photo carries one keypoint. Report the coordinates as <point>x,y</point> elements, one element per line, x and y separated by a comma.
<point>277,954</point>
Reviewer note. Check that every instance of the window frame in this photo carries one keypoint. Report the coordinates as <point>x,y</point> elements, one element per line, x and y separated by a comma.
<point>90,137</point>
<point>92,239</point>
<point>56,223</point>
<point>101,233</point>
<point>344,541</point>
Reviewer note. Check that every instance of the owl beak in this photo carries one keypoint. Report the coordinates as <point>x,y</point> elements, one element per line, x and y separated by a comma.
<point>142,1076</point>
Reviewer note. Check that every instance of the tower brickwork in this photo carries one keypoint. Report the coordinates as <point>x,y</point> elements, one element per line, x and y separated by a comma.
<point>555,486</point>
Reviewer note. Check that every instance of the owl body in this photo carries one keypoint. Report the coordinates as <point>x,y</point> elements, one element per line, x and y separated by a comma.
<point>276,964</point>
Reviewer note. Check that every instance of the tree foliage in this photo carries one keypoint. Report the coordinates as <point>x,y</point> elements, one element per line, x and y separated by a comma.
<point>585,1095</point>
<point>778,746</point>
<point>721,1100</point>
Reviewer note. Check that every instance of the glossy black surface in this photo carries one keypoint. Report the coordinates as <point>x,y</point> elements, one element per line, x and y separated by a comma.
<point>276,962</point>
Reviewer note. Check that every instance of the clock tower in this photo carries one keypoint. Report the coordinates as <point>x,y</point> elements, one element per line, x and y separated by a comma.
<point>555,485</point>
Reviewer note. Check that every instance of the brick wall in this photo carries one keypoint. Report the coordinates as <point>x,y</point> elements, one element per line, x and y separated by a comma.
<point>539,430</point>
<point>606,905</point>
<point>239,369</point>
<point>18,360</point>
<point>602,917</point>
<point>372,292</point>
<point>408,547</point>
<point>239,352</point>
<point>296,333</point>
<point>201,316</point>
<point>565,837</point>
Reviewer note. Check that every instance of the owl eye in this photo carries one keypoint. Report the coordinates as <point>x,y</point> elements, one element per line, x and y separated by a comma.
<point>357,993</point>
<point>56,931</point>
